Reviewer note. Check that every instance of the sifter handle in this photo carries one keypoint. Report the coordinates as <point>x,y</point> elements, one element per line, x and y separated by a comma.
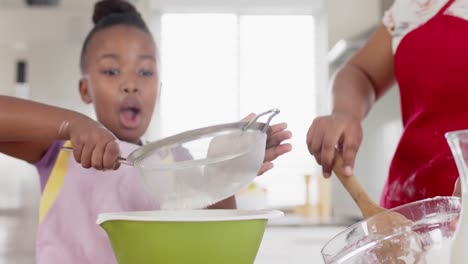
<point>119,160</point>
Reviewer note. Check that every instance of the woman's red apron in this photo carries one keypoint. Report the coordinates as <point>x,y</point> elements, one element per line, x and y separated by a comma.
<point>431,67</point>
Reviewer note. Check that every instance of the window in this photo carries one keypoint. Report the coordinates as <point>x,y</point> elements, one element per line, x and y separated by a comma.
<point>199,55</point>
<point>219,67</point>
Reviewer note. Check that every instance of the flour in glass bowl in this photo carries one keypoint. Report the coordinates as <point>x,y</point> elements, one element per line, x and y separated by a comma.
<point>439,254</point>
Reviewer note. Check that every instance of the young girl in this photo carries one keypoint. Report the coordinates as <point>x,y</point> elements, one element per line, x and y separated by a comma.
<point>421,45</point>
<point>120,78</point>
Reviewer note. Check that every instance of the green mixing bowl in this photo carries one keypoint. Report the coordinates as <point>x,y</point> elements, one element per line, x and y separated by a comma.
<point>181,237</point>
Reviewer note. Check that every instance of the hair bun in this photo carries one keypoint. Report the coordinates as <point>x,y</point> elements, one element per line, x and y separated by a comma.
<point>105,8</point>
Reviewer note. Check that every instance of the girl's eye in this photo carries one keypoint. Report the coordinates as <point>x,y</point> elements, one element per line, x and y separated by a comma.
<point>111,72</point>
<point>146,73</point>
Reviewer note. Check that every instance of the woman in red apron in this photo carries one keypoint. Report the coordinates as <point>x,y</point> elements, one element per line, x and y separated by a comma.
<point>423,45</point>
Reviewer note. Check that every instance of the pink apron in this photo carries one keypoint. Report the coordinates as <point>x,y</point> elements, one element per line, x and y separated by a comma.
<point>71,202</point>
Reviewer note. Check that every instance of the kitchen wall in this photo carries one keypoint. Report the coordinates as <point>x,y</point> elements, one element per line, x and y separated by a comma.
<point>50,40</point>
<point>348,18</point>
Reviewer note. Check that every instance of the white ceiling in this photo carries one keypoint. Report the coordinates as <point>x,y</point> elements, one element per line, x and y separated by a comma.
<point>66,4</point>
<point>177,4</point>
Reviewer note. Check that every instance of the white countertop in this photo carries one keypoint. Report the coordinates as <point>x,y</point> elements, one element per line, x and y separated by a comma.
<point>295,245</point>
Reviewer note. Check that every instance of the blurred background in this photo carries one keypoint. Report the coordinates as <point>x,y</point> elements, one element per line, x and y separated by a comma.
<point>221,60</point>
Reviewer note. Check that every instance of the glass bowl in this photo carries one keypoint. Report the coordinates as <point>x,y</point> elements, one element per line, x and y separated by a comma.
<point>425,238</point>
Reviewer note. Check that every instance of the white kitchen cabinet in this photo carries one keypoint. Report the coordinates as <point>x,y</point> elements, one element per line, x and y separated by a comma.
<point>295,244</point>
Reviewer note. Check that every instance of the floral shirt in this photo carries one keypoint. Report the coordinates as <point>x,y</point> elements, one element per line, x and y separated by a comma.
<point>406,15</point>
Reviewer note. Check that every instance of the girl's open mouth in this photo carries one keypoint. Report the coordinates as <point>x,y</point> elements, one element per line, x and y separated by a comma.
<point>130,115</point>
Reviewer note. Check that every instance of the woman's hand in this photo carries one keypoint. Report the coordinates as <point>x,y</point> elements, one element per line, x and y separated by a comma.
<point>327,133</point>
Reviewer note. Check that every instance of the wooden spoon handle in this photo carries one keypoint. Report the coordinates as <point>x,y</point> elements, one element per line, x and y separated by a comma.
<point>361,198</point>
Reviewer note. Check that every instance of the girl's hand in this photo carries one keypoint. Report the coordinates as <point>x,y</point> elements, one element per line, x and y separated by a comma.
<point>275,147</point>
<point>93,145</point>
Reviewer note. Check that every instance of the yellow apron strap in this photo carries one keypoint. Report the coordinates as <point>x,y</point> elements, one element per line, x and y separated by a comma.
<point>54,183</point>
<point>57,175</point>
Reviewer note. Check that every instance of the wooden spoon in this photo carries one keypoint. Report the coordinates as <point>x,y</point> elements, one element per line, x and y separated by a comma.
<point>367,206</point>
<point>391,251</point>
